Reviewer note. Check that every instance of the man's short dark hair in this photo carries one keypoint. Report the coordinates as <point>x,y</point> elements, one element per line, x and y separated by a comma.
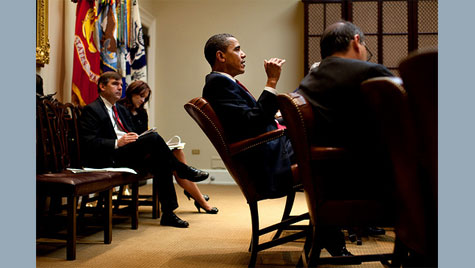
<point>217,42</point>
<point>337,38</point>
<point>105,77</point>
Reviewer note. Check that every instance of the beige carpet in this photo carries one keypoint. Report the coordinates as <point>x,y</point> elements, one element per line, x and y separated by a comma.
<point>220,240</point>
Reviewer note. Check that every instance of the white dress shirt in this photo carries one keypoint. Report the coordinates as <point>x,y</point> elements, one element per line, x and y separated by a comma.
<point>117,130</point>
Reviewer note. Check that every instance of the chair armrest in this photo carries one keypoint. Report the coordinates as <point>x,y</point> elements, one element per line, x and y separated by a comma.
<point>322,153</point>
<point>247,144</point>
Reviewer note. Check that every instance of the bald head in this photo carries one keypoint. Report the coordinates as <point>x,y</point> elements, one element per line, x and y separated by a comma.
<point>337,38</point>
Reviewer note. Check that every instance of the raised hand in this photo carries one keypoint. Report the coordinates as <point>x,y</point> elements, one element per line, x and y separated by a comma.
<point>273,68</point>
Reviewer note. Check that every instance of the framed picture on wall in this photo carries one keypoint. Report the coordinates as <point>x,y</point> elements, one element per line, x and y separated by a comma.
<point>42,42</point>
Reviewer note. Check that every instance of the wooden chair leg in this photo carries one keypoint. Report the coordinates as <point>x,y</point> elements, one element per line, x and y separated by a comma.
<point>107,212</point>
<point>315,249</point>
<point>40,211</point>
<point>303,260</point>
<point>308,241</point>
<point>253,248</point>
<point>155,205</point>
<point>400,254</point>
<point>289,202</point>
<point>71,235</point>
<point>135,205</point>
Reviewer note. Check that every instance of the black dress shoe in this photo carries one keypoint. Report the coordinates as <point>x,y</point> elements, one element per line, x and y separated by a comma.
<point>344,257</point>
<point>170,219</point>
<point>339,251</point>
<point>375,231</point>
<point>191,173</point>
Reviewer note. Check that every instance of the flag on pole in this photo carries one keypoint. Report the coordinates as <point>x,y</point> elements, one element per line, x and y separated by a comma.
<point>107,29</point>
<point>108,37</point>
<point>86,62</point>
<point>123,62</point>
<point>138,62</point>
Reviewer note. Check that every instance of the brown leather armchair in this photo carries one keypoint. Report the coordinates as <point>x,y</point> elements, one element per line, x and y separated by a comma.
<point>408,122</point>
<point>409,128</point>
<point>323,209</point>
<point>202,112</point>
<point>419,72</point>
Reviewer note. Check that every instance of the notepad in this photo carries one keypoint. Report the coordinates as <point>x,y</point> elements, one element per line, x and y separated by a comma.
<point>148,131</point>
<point>110,169</point>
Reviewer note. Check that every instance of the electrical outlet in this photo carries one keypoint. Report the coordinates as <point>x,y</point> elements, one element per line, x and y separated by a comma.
<point>195,151</point>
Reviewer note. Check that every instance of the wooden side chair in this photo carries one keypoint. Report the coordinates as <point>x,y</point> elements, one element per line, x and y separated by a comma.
<point>53,180</point>
<point>58,148</point>
<point>323,209</point>
<point>202,112</point>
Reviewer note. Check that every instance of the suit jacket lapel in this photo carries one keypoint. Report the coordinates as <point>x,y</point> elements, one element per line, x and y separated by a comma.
<point>245,93</point>
<point>125,117</point>
<point>110,127</point>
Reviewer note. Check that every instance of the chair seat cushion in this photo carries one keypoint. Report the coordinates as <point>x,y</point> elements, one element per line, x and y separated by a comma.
<point>127,178</point>
<point>71,184</point>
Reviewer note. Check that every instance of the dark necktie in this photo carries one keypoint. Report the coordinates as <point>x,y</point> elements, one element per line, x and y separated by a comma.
<point>243,87</point>
<point>117,118</point>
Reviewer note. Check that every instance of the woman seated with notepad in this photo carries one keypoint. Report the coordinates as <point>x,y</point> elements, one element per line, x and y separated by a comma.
<point>136,95</point>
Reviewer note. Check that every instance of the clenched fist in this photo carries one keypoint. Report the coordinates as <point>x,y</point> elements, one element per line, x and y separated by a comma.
<point>273,68</point>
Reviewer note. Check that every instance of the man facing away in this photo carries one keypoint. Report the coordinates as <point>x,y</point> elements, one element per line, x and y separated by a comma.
<point>333,89</point>
<point>108,140</point>
<point>244,116</point>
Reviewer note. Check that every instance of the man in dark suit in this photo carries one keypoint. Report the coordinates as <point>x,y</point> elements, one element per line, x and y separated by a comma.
<point>243,117</point>
<point>333,89</point>
<point>108,140</point>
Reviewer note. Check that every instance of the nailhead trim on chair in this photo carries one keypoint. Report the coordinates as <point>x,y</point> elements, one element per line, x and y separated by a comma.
<point>209,119</point>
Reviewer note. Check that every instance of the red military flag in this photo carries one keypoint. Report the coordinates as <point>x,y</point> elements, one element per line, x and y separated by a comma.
<point>86,63</point>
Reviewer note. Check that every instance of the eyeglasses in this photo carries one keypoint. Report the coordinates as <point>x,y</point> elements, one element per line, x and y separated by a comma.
<point>368,52</point>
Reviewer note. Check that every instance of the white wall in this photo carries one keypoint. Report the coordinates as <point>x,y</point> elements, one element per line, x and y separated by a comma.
<point>265,28</point>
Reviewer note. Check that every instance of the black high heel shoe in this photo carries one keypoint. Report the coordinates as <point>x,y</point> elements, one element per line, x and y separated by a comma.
<point>213,210</point>
<point>205,196</point>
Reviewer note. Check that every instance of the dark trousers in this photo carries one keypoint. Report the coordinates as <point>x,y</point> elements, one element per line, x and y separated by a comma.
<point>150,153</point>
